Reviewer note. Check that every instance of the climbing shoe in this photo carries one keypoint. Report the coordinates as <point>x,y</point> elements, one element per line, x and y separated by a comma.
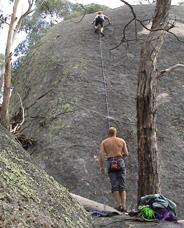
<point>102,33</point>
<point>121,209</point>
<point>118,208</point>
<point>96,30</point>
<point>133,214</point>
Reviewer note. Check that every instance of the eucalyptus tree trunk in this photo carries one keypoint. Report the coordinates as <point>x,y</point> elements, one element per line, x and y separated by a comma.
<point>7,81</point>
<point>148,159</point>
<point>14,27</point>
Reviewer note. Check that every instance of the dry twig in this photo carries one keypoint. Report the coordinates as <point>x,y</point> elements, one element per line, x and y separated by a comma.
<point>19,124</point>
<point>170,69</point>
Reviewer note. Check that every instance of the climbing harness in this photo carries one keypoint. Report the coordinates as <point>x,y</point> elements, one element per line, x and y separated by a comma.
<point>105,82</point>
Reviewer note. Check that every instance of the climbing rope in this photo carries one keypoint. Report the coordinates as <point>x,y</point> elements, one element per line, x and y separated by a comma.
<point>107,105</point>
<point>105,82</point>
<point>103,189</point>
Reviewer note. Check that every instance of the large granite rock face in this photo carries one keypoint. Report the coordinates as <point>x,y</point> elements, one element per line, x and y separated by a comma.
<point>31,198</point>
<point>62,89</point>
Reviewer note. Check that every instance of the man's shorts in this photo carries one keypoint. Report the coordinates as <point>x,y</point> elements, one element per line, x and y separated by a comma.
<point>99,21</point>
<point>118,179</point>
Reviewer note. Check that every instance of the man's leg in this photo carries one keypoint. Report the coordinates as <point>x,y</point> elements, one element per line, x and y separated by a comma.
<point>96,25</point>
<point>123,199</point>
<point>122,186</point>
<point>115,189</point>
<point>101,30</point>
<point>102,27</point>
<point>117,198</point>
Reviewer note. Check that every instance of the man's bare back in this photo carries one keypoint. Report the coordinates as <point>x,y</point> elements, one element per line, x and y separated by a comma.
<point>114,147</point>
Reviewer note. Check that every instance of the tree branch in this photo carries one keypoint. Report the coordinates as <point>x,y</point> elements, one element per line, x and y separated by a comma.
<point>170,69</point>
<point>17,127</point>
<point>82,16</point>
<point>4,21</point>
<point>124,39</point>
<point>29,10</point>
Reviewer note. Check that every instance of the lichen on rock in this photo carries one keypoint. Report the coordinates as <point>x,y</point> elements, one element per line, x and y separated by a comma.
<point>29,197</point>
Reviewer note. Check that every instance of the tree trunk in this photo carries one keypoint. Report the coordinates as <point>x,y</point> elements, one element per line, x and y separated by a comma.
<point>91,205</point>
<point>11,37</point>
<point>148,159</point>
<point>7,83</point>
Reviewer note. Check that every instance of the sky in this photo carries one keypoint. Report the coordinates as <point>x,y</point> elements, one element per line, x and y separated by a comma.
<point>111,3</point>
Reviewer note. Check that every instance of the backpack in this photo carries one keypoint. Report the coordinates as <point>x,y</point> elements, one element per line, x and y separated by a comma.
<point>157,208</point>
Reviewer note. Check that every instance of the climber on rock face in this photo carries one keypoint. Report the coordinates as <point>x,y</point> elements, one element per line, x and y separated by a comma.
<point>115,149</point>
<point>99,19</point>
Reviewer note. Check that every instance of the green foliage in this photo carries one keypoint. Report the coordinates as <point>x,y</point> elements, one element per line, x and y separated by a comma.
<point>55,8</point>
<point>87,9</point>
<point>35,27</point>
<point>37,24</point>
<point>91,8</point>
<point>181,3</point>
<point>3,17</point>
<point>1,60</point>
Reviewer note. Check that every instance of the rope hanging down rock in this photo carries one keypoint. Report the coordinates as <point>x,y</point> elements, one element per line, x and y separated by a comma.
<point>105,83</point>
<point>107,105</point>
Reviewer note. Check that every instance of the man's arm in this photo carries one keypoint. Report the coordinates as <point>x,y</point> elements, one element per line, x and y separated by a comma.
<point>107,18</point>
<point>125,150</point>
<point>93,21</point>
<point>101,157</point>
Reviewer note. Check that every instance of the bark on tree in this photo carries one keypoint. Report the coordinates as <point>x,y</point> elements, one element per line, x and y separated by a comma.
<point>148,159</point>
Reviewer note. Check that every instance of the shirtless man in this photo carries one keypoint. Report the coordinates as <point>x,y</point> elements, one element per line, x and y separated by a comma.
<point>115,149</point>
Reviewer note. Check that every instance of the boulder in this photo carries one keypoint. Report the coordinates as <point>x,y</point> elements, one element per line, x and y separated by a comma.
<point>29,197</point>
<point>62,89</point>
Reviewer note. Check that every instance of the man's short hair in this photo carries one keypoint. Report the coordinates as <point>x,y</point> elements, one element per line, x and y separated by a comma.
<point>112,131</point>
